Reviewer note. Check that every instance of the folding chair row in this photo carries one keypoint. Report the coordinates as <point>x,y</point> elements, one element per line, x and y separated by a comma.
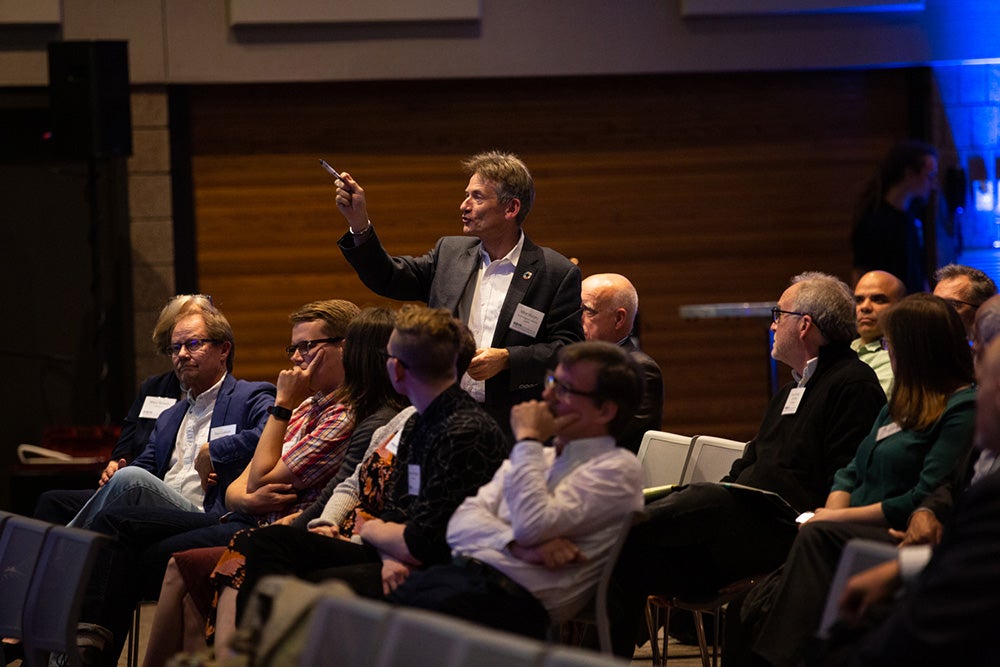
<point>43,574</point>
<point>670,458</point>
<point>355,631</point>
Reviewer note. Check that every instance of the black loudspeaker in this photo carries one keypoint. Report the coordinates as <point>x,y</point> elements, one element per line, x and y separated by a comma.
<point>89,99</point>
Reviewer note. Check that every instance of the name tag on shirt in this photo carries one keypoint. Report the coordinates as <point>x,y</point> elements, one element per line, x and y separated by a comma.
<point>154,405</point>
<point>887,430</point>
<point>526,320</point>
<point>222,431</point>
<point>413,479</point>
<point>793,400</point>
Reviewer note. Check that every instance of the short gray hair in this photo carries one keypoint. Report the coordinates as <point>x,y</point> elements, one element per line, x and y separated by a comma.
<point>830,303</point>
<point>981,286</point>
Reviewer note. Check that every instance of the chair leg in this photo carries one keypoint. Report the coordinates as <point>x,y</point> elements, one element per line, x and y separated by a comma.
<point>719,615</point>
<point>699,626</point>
<point>133,638</point>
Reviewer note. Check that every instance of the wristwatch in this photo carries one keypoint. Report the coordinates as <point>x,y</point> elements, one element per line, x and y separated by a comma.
<point>278,412</point>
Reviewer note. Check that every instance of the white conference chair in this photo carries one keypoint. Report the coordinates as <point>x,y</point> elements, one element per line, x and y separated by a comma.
<point>663,456</point>
<point>711,458</point>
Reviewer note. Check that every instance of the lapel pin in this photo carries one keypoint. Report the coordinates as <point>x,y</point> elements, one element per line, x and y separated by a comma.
<point>527,275</point>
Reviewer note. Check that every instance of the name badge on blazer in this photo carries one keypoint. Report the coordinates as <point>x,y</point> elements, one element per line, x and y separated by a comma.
<point>413,479</point>
<point>154,405</point>
<point>222,431</point>
<point>526,320</point>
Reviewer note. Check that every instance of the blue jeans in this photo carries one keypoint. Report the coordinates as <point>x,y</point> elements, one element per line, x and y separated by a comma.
<point>132,487</point>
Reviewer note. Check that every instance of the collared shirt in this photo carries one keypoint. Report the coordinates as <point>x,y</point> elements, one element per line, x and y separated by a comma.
<point>488,295</point>
<point>807,372</point>
<point>194,431</point>
<point>583,494</point>
<point>873,355</point>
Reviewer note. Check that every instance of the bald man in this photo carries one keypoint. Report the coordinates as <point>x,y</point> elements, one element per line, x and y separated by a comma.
<point>874,293</point>
<point>610,303</point>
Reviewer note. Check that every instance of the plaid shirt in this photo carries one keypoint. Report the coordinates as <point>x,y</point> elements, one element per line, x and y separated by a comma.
<point>315,444</point>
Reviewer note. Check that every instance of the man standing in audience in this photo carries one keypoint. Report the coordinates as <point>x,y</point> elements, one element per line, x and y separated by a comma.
<point>706,536</point>
<point>610,303</point>
<point>875,291</point>
<point>965,288</point>
<point>521,301</point>
<point>530,545</point>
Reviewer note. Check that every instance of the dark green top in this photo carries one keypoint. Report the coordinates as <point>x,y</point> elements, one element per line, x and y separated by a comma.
<point>899,470</point>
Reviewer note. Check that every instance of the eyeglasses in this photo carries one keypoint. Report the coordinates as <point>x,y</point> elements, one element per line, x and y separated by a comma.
<point>386,355</point>
<point>305,346</point>
<point>777,312</point>
<point>561,389</point>
<point>955,302</point>
<point>192,345</point>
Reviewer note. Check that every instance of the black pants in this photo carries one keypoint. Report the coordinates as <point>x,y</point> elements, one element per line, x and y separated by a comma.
<point>287,550</point>
<point>695,541</point>
<point>476,592</point>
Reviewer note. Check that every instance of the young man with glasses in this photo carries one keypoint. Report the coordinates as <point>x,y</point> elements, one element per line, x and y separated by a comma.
<point>530,545</point>
<point>706,536</point>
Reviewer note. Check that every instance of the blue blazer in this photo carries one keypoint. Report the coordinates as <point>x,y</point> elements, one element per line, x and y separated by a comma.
<point>544,280</point>
<point>240,403</point>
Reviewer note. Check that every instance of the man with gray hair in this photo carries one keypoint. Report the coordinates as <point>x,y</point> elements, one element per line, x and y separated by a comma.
<point>965,288</point>
<point>705,536</point>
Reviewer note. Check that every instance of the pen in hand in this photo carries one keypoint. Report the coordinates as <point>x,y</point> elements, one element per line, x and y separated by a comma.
<point>335,174</point>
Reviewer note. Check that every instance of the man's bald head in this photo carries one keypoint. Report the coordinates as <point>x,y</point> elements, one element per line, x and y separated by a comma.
<point>610,303</point>
<point>875,291</point>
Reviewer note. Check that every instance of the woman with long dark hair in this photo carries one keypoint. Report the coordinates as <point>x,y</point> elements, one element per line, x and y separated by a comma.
<point>916,443</point>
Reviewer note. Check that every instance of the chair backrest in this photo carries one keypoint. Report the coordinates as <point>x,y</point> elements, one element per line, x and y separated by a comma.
<point>663,456</point>
<point>20,546</point>
<point>349,628</point>
<point>601,594</point>
<point>566,656</point>
<point>419,638</point>
<point>52,606</point>
<point>858,555</point>
<point>711,458</point>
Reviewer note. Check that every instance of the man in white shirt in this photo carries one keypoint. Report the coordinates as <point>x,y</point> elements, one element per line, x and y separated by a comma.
<point>529,546</point>
<point>874,293</point>
<point>520,300</point>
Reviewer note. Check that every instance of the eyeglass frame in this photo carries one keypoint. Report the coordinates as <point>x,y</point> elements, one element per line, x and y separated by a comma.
<point>952,302</point>
<point>776,314</point>
<point>388,355</point>
<point>191,345</point>
<point>561,388</point>
<point>290,350</point>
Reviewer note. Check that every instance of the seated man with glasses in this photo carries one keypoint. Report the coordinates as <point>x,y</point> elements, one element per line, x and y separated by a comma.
<point>200,444</point>
<point>301,447</point>
<point>706,536</point>
<point>965,289</point>
<point>530,545</point>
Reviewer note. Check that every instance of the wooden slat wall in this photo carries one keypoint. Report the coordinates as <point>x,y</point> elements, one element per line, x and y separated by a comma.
<point>700,188</point>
